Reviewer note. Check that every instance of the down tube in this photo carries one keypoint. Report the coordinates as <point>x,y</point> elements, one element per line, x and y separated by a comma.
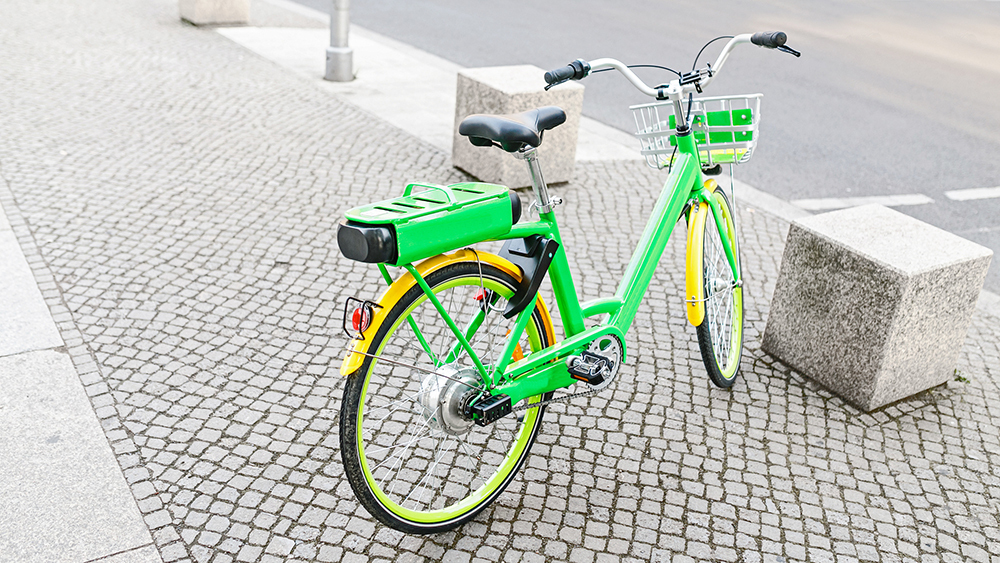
<point>675,194</point>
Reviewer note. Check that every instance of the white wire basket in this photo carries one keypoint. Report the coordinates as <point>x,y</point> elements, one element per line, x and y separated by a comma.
<point>724,128</point>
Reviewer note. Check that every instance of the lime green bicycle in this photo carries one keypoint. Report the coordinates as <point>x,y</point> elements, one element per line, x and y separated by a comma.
<point>450,370</point>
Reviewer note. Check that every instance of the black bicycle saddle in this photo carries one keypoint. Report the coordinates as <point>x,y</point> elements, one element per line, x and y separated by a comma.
<point>511,132</point>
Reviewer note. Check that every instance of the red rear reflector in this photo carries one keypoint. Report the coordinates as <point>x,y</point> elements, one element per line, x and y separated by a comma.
<point>361,319</point>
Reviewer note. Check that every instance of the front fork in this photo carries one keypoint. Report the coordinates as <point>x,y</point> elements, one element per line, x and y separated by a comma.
<point>695,260</point>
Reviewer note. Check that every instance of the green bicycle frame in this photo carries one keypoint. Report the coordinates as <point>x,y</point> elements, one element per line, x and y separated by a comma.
<point>540,372</point>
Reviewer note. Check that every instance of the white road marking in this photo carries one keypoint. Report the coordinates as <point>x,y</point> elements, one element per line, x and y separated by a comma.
<point>973,193</point>
<point>842,202</point>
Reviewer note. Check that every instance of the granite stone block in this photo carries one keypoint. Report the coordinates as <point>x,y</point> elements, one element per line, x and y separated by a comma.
<point>873,304</point>
<point>214,12</point>
<point>513,89</point>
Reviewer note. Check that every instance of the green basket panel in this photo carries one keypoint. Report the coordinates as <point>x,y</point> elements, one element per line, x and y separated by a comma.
<point>727,156</point>
<point>720,137</point>
<point>734,118</point>
<point>720,119</point>
<point>742,116</point>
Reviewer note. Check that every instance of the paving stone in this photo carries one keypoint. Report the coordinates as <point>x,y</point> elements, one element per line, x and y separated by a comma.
<point>183,194</point>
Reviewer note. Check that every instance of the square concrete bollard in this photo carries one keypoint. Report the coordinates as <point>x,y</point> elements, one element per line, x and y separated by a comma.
<point>873,304</point>
<point>513,89</point>
<point>214,12</point>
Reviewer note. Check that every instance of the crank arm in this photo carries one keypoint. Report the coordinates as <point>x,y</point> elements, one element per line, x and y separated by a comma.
<point>565,348</point>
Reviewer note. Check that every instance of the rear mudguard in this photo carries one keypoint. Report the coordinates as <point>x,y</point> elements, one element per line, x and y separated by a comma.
<point>356,355</point>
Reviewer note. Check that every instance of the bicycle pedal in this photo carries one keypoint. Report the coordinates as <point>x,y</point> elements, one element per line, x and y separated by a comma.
<point>589,367</point>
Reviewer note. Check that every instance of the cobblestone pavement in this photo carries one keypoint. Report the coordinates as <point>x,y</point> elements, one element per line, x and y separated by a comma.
<point>177,199</point>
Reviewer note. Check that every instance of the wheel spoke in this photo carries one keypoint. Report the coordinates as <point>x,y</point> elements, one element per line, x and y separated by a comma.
<point>468,454</point>
<point>429,473</point>
<point>394,470</point>
<point>387,448</point>
<point>394,409</point>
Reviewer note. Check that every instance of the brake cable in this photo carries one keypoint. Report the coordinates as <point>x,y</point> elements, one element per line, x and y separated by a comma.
<point>705,46</point>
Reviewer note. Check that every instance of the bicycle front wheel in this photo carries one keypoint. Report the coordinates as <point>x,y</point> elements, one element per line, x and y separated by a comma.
<point>720,334</point>
<point>416,462</point>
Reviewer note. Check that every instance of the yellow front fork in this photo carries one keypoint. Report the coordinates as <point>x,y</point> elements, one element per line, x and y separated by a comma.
<point>694,293</point>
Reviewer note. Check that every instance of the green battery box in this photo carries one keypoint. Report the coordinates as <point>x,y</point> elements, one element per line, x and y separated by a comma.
<point>433,220</point>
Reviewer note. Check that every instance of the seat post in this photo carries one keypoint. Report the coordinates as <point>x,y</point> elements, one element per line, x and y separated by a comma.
<point>530,155</point>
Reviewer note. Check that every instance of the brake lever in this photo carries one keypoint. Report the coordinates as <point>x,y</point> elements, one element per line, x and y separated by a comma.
<point>789,50</point>
<point>547,86</point>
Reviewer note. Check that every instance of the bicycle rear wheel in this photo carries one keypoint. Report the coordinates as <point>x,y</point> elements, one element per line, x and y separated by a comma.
<point>720,334</point>
<point>415,462</point>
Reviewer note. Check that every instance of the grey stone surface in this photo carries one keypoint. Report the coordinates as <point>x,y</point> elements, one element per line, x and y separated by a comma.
<point>287,13</point>
<point>874,304</point>
<point>189,261</point>
<point>25,322</point>
<point>144,554</point>
<point>513,89</point>
<point>63,496</point>
<point>989,302</point>
<point>214,12</point>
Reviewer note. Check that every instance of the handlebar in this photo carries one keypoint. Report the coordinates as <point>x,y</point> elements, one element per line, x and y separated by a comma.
<point>579,68</point>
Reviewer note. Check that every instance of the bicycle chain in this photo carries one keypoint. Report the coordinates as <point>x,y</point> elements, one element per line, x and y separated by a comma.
<point>562,399</point>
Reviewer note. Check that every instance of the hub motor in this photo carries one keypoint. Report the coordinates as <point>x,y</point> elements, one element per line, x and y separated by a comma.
<point>442,398</point>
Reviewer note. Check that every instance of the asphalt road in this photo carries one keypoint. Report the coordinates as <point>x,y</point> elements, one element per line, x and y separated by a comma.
<point>888,98</point>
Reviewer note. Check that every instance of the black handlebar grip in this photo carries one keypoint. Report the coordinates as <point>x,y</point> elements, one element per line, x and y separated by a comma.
<point>769,39</point>
<point>560,74</point>
<point>575,70</point>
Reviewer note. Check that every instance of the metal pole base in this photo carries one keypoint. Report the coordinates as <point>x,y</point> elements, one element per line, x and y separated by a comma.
<point>339,64</point>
